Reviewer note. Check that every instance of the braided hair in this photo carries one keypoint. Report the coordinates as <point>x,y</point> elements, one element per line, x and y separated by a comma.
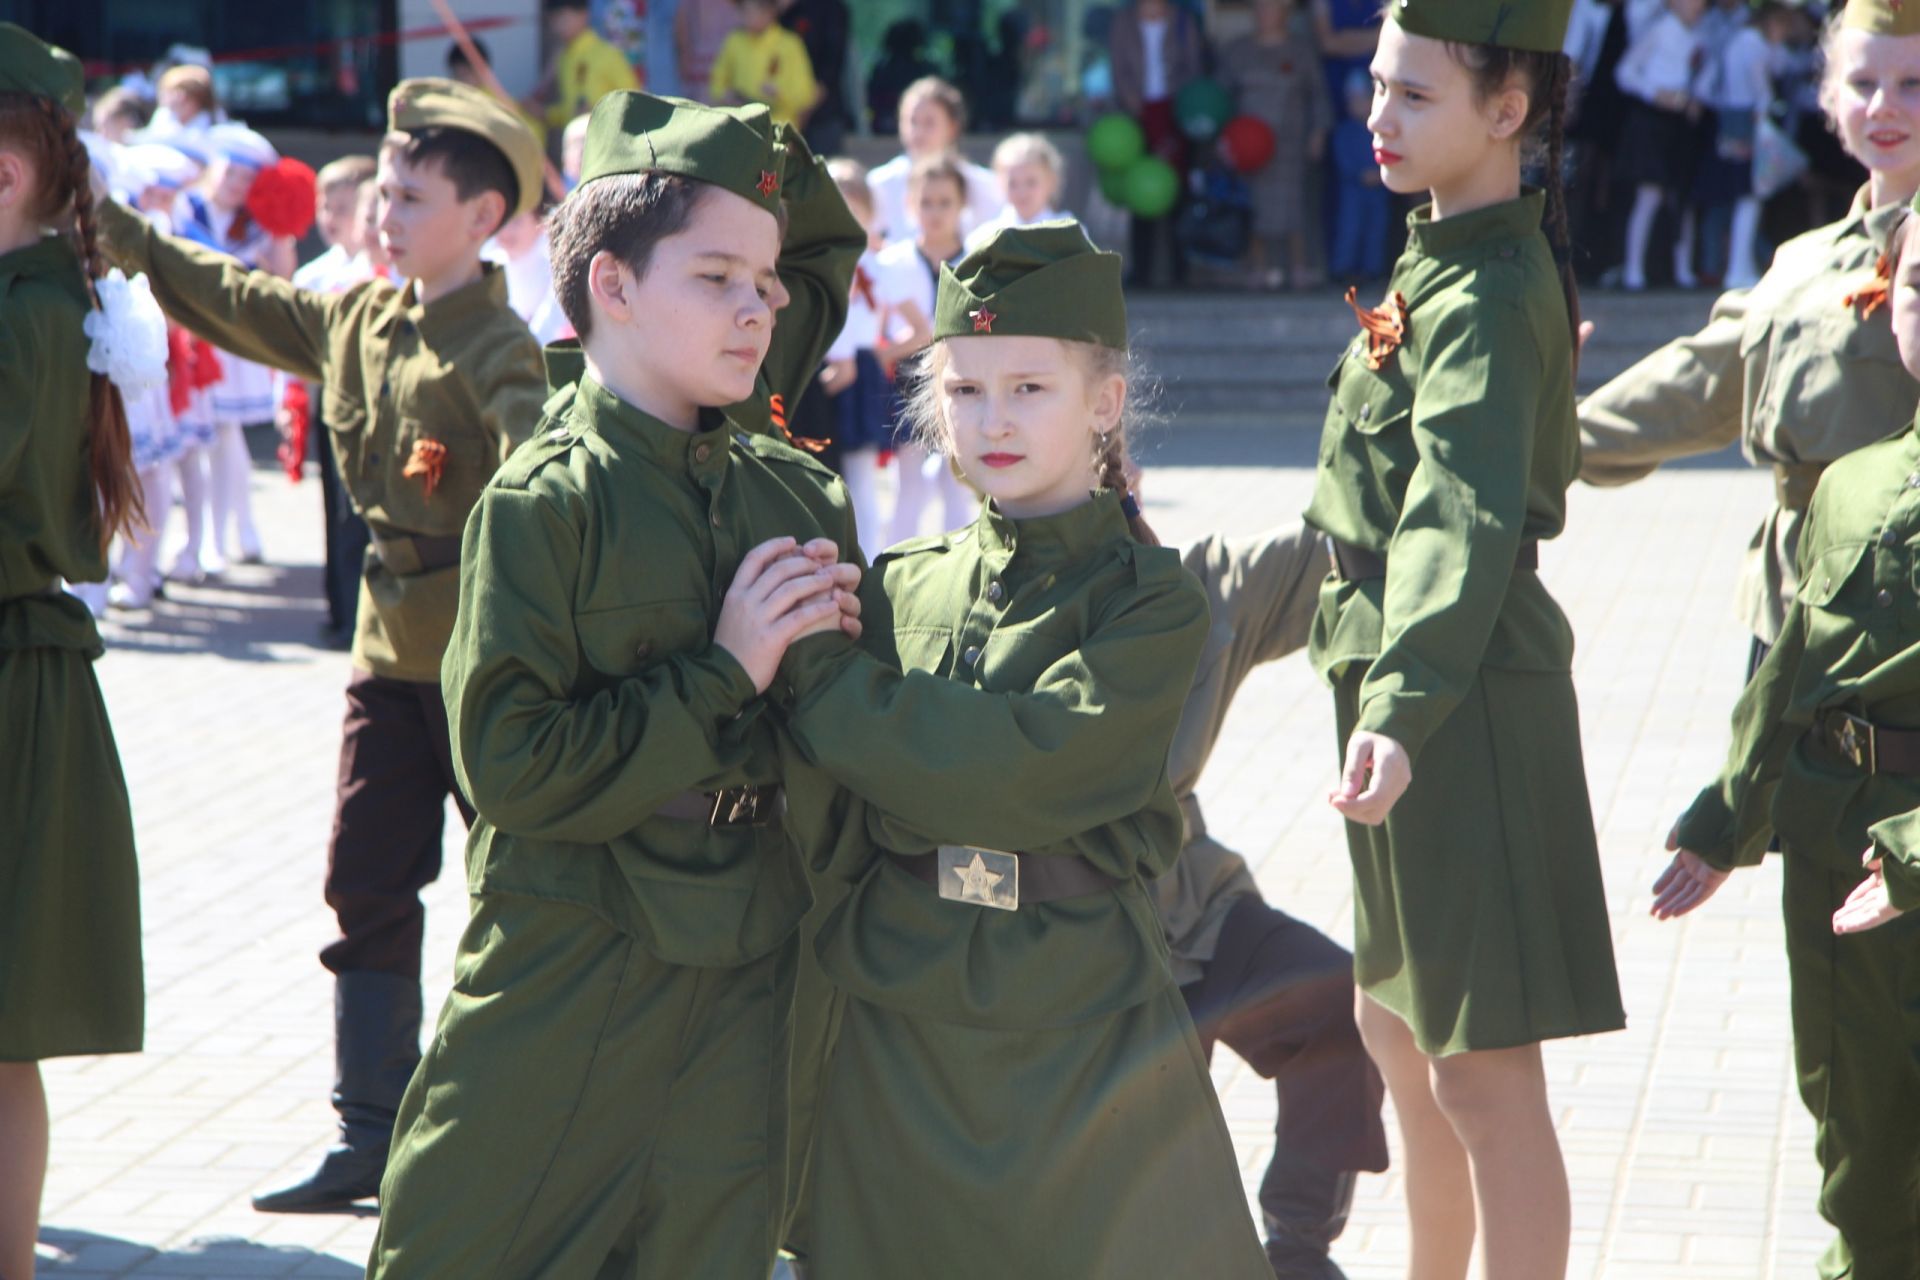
<point>45,133</point>
<point>1547,77</point>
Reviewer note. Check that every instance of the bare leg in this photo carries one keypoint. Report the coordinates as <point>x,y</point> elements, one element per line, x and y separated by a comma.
<point>914,494</point>
<point>1440,1203</point>
<point>190,564</point>
<point>1497,1102</point>
<point>1646,207</point>
<point>23,1165</point>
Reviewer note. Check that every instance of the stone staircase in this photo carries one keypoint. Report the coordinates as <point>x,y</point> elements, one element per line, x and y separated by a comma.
<point>1261,361</point>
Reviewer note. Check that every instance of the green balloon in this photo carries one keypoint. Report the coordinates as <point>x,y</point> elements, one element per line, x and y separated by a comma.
<point>1151,187</point>
<point>1115,141</point>
<point>1113,185</point>
<point>1202,107</point>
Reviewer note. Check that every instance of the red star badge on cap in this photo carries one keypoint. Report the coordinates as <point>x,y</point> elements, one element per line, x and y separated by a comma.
<point>983,320</point>
<point>769,182</point>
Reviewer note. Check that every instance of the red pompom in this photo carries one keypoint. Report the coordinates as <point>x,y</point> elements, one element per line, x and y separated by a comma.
<point>1247,144</point>
<point>281,200</point>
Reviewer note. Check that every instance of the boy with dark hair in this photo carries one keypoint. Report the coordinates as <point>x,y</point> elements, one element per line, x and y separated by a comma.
<point>613,1060</point>
<point>428,388</point>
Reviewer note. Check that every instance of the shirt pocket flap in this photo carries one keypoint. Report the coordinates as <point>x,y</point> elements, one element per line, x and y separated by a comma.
<point>1370,402</point>
<point>1827,576</point>
<point>924,649</point>
<point>342,413</point>
<point>627,639</point>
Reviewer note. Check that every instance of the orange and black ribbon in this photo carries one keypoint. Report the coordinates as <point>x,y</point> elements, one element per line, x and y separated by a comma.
<point>1384,325</point>
<point>777,407</point>
<point>1874,294</point>
<point>428,462</point>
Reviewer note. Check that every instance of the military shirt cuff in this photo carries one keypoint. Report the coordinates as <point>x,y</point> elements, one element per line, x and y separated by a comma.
<point>1706,828</point>
<point>809,662</point>
<point>718,687</point>
<point>1895,844</point>
<point>1398,719</point>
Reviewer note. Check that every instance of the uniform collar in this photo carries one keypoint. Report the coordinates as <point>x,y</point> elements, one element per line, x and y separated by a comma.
<point>451,316</point>
<point>1044,542</point>
<point>701,454</point>
<point>1509,220</point>
<point>1878,223</point>
<point>53,256</point>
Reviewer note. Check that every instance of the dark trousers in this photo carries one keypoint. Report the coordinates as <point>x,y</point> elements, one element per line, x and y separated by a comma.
<point>396,772</point>
<point>346,538</point>
<point>1280,994</point>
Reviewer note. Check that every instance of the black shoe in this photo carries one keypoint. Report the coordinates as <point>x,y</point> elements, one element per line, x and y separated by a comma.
<point>1305,1209</point>
<point>376,1039</point>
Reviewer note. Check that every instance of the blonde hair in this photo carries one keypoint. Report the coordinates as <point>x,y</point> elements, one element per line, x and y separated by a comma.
<point>850,176</point>
<point>193,80</point>
<point>347,171</point>
<point>1028,148</point>
<point>1113,457</point>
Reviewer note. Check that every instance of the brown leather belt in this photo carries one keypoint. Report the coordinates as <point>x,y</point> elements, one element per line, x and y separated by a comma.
<point>737,807</point>
<point>1793,483</point>
<point>409,554</point>
<point>1869,747</point>
<point>989,878</point>
<point>1357,564</point>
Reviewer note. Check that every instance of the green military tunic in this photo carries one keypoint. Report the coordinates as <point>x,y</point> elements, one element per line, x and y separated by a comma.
<point>1850,644</point>
<point>1801,369</point>
<point>70,971</point>
<point>1011,1092</point>
<point>1480,917</point>
<point>460,372</point>
<point>1261,595</point>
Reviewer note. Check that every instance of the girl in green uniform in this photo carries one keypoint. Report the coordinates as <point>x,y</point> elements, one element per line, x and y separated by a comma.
<point>1016,1088</point>
<point>70,980</point>
<point>1480,919</point>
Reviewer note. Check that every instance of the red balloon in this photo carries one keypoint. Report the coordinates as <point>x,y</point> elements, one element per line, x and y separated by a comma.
<point>1247,143</point>
<point>281,199</point>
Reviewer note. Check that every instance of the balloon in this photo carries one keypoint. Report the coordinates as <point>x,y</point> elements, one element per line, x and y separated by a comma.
<point>1201,107</point>
<point>1152,186</point>
<point>1115,141</point>
<point>1113,185</point>
<point>1248,144</point>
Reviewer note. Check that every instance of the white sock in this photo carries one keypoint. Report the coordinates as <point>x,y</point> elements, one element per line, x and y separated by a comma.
<point>1646,207</point>
<point>914,494</point>
<point>1742,271</point>
<point>861,470</point>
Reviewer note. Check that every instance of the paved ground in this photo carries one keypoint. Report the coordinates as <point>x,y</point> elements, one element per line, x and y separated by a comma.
<point>1689,1151</point>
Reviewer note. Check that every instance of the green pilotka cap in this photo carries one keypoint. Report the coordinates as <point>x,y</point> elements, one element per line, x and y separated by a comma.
<point>29,64</point>
<point>1883,17</point>
<point>430,102</point>
<point>1539,26</point>
<point>1041,281</point>
<point>731,147</point>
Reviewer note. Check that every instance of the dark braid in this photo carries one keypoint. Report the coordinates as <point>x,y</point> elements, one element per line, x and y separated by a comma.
<point>66,174</point>
<point>1113,475</point>
<point>1548,77</point>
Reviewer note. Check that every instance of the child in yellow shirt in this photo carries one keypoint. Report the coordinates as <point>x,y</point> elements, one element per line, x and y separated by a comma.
<point>762,61</point>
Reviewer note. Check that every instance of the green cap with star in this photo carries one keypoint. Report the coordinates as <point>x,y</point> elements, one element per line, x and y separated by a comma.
<point>1539,26</point>
<point>431,102</point>
<point>1883,17</point>
<point>29,64</point>
<point>731,147</point>
<point>1041,281</point>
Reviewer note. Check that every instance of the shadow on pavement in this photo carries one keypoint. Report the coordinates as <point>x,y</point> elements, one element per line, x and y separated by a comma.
<point>242,615</point>
<point>85,1256</point>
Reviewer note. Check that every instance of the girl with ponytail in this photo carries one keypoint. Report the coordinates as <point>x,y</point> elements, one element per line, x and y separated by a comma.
<point>1011,1046</point>
<point>69,339</point>
<point>1481,925</point>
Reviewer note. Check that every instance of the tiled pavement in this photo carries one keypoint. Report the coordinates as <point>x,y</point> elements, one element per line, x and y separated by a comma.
<point>1689,1152</point>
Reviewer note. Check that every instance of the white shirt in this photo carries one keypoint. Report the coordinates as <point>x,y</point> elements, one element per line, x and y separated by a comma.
<point>888,182</point>
<point>901,275</point>
<point>1153,48</point>
<point>861,332</point>
<point>1586,34</point>
<point>1736,77</point>
<point>1007,217</point>
<point>1642,14</point>
<point>530,288</point>
<point>1660,61</point>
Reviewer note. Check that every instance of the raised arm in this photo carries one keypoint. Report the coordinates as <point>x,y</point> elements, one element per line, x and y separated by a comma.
<point>254,314</point>
<point>817,260</point>
<point>1684,399</point>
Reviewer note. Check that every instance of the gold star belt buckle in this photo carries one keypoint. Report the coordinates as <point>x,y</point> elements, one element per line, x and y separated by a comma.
<point>982,877</point>
<point>1853,737</point>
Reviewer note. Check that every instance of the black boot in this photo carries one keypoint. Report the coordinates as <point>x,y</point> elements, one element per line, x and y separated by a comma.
<point>376,1045</point>
<point>1305,1207</point>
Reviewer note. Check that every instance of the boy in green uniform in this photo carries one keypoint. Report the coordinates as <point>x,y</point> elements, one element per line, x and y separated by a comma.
<point>612,1063</point>
<point>1826,753</point>
<point>428,387</point>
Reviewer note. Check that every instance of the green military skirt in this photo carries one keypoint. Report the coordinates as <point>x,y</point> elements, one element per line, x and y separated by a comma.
<point>1479,914</point>
<point>70,975</point>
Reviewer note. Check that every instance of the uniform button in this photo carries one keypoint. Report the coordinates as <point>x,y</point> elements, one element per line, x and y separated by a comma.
<point>1826,586</point>
<point>1913,481</point>
<point>1887,539</point>
<point>701,452</point>
<point>995,591</point>
<point>1884,599</point>
<point>713,518</point>
<point>972,655</point>
<point>1366,412</point>
<point>373,459</point>
<point>643,650</point>
<point>386,389</point>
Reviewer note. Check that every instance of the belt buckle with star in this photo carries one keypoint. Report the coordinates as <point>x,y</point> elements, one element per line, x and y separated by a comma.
<point>980,877</point>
